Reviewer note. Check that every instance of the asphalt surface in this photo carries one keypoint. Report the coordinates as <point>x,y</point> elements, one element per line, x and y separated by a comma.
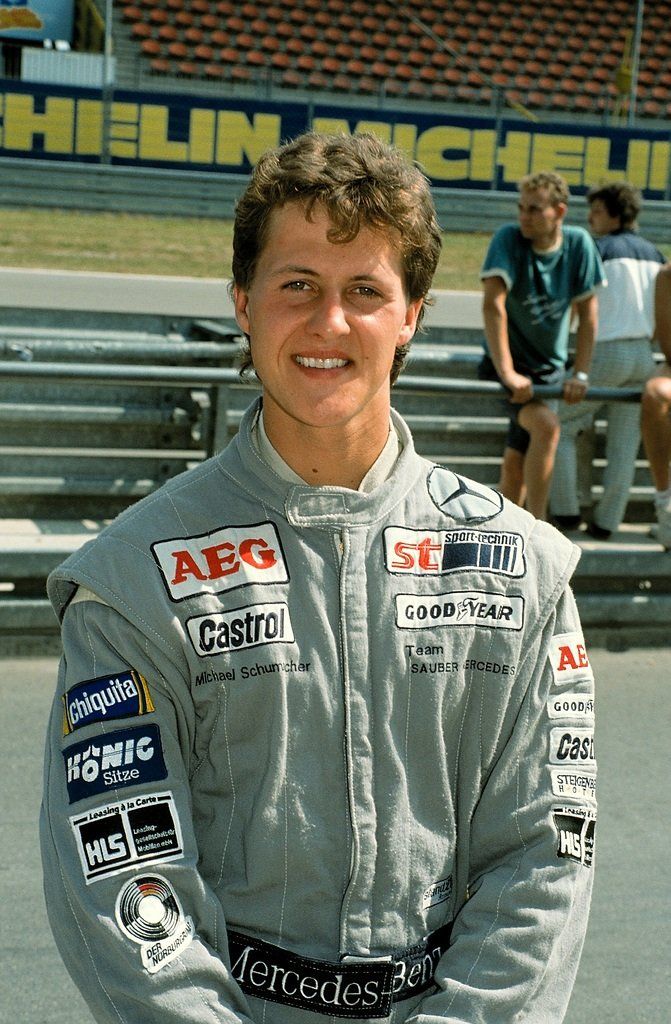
<point>172,296</point>
<point>623,976</point>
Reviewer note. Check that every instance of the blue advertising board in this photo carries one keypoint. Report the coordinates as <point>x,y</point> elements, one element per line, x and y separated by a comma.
<point>36,19</point>
<point>153,129</point>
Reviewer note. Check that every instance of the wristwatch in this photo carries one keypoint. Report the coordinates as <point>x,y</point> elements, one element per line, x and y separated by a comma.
<point>581,376</point>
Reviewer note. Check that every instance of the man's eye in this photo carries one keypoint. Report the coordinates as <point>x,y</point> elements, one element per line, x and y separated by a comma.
<point>296,286</point>
<point>366,291</point>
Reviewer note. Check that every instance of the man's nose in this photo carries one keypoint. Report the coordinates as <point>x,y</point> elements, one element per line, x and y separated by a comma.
<point>329,318</point>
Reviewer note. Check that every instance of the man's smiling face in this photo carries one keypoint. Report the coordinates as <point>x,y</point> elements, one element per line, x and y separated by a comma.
<point>324,320</point>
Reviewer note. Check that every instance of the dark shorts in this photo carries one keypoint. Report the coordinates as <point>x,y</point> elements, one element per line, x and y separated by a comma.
<point>518,437</point>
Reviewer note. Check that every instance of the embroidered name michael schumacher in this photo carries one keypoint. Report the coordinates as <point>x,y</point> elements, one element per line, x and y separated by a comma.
<point>460,608</point>
<point>437,553</point>
<point>235,630</point>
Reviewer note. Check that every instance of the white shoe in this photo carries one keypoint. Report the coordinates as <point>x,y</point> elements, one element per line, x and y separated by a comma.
<point>663,511</point>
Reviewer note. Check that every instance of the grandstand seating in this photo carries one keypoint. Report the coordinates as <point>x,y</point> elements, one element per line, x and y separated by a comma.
<point>465,51</point>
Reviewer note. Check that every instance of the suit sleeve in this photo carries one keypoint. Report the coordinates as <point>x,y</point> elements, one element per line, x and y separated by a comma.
<point>518,937</point>
<point>139,930</point>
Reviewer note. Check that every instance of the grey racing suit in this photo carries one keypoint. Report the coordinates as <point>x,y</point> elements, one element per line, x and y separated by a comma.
<point>318,753</point>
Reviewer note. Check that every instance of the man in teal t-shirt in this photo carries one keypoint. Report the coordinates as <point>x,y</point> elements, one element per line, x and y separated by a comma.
<point>534,273</point>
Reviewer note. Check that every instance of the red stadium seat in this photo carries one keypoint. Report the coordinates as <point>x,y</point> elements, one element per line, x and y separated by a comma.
<point>203,53</point>
<point>150,47</point>
<point>184,18</point>
<point>318,80</point>
<point>280,60</point>
<point>331,65</point>
<point>367,86</point>
<point>167,33</point>
<point>270,44</point>
<point>229,55</point>
<point>379,69</point>
<point>291,79</point>
<point>193,35</point>
<point>178,50</point>
<point>214,71</point>
<point>141,30</point>
<point>341,83</point>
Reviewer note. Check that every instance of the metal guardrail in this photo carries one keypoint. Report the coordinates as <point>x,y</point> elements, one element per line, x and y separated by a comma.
<point>165,192</point>
<point>189,376</point>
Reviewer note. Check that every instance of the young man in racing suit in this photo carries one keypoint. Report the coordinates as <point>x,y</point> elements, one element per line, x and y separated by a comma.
<point>322,744</point>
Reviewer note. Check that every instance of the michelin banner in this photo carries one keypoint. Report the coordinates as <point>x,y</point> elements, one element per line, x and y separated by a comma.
<point>36,19</point>
<point>152,129</point>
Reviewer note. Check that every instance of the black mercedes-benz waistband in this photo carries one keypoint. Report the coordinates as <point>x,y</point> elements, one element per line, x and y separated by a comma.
<point>353,987</point>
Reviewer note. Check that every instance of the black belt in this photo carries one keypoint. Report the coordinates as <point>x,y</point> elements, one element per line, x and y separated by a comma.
<point>354,987</point>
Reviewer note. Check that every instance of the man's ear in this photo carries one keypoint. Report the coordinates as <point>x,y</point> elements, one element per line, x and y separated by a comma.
<point>240,301</point>
<point>410,324</point>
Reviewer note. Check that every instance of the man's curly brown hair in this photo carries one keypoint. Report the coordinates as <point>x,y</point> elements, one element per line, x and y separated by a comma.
<point>360,182</point>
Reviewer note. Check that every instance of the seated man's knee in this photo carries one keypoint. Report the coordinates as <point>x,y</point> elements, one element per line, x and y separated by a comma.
<point>542,423</point>
<point>656,397</point>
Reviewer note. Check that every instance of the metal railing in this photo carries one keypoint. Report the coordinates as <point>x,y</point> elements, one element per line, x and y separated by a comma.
<point>190,376</point>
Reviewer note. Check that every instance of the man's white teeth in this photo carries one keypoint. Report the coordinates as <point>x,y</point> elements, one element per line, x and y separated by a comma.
<point>320,364</point>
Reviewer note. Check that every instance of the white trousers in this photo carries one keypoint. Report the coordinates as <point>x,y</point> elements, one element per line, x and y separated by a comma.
<point>624,362</point>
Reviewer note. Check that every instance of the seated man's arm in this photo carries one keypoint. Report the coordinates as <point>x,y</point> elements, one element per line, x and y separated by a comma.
<point>587,311</point>
<point>663,311</point>
<point>496,334</point>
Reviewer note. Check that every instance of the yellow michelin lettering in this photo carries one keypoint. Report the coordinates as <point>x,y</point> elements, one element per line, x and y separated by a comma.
<point>238,138</point>
<point>659,166</point>
<point>202,129</point>
<point>23,123</point>
<point>447,153</point>
<point>331,125</point>
<point>89,130</point>
<point>638,158</point>
<point>434,143</point>
<point>483,155</point>
<point>405,139</point>
<point>562,153</point>
<point>597,160</point>
<point>154,141</point>
<point>513,157</point>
